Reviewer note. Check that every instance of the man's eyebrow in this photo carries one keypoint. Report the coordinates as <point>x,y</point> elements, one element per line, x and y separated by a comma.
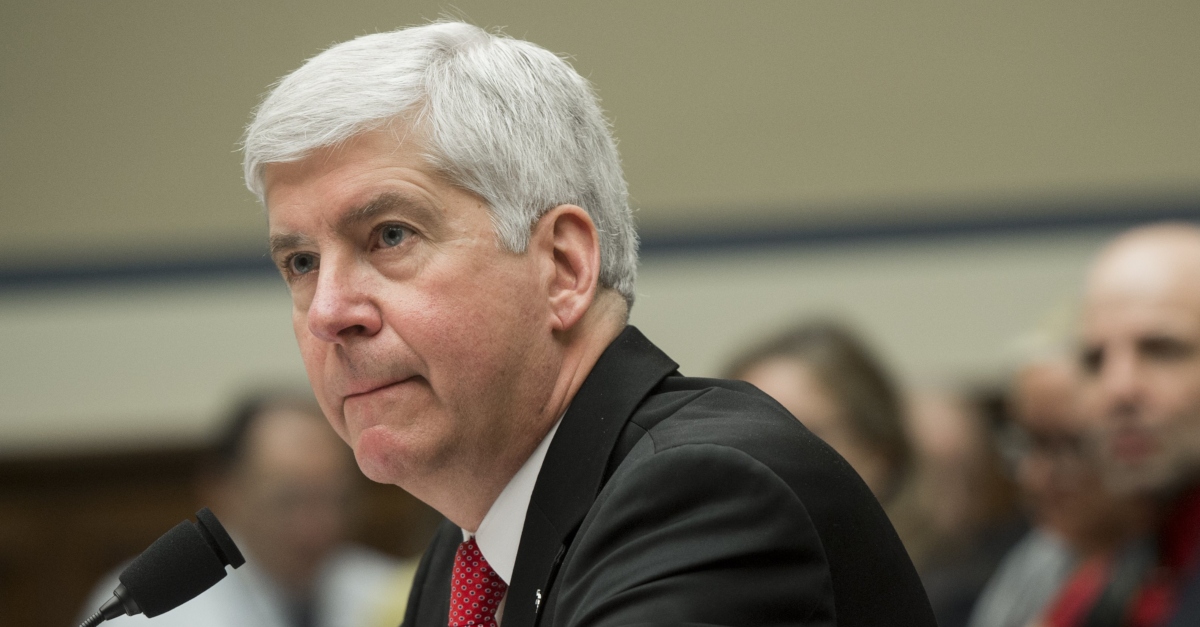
<point>421,212</point>
<point>287,241</point>
<point>389,201</point>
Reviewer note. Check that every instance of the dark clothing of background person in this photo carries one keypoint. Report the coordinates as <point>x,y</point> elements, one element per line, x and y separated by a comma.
<point>955,586</point>
<point>1153,582</point>
<point>666,498</point>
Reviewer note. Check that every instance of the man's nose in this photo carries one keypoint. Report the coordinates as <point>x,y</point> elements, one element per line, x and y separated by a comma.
<point>1121,383</point>
<point>342,307</point>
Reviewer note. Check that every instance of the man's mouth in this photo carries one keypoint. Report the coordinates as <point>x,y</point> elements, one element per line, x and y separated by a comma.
<point>370,389</point>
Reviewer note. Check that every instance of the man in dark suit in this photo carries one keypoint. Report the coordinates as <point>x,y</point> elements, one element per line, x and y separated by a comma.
<point>449,212</point>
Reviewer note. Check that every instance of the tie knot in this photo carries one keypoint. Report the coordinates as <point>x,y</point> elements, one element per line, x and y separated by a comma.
<point>476,589</point>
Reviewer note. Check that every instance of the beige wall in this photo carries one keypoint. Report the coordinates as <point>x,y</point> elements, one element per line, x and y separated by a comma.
<point>119,120</point>
<point>125,366</point>
<point>119,123</point>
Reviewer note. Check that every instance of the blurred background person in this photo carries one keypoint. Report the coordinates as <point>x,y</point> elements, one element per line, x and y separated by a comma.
<point>938,474</point>
<point>965,496</point>
<point>826,377</point>
<point>281,481</point>
<point>1140,354</point>
<point>1074,517</point>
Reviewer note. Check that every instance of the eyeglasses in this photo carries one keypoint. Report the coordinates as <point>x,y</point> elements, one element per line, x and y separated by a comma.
<point>1062,448</point>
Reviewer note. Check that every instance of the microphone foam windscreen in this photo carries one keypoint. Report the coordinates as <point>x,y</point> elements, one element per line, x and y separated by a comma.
<point>178,566</point>
<point>218,538</point>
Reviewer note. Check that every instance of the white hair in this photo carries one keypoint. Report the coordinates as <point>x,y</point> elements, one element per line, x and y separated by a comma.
<point>502,118</point>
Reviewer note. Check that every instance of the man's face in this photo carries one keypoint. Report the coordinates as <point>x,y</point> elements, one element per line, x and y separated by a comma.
<point>424,340</point>
<point>1056,471</point>
<point>290,496</point>
<point>1141,356</point>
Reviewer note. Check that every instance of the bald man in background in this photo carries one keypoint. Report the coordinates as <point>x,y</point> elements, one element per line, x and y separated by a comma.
<point>1141,360</point>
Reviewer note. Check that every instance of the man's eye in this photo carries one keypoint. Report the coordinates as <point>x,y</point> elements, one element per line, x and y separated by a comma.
<point>392,234</point>
<point>1166,348</point>
<point>301,263</point>
<point>1091,359</point>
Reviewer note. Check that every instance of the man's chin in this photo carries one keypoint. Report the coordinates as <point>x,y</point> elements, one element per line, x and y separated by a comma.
<point>1153,477</point>
<point>382,454</point>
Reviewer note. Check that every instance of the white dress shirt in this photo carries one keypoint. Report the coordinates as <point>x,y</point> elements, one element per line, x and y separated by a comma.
<point>350,590</point>
<point>499,534</point>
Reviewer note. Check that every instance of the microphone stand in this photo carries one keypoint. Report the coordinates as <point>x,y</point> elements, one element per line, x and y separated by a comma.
<point>184,562</point>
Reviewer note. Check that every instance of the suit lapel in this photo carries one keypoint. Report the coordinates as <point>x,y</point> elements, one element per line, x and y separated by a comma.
<point>429,600</point>
<point>573,471</point>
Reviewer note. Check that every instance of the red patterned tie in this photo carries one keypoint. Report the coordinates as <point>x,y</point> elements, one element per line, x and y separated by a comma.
<point>476,589</point>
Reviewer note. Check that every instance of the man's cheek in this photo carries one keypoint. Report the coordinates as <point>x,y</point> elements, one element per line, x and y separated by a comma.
<point>314,369</point>
<point>300,330</point>
<point>333,414</point>
<point>319,380</point>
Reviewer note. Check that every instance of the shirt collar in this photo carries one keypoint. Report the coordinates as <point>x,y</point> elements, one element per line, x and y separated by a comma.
<point>499,534</point>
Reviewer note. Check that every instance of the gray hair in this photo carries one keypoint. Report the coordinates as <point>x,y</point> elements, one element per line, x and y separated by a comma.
<point>502,118</point>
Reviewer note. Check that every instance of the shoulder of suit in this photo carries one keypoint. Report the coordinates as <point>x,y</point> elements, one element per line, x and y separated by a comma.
<point>687,410</point>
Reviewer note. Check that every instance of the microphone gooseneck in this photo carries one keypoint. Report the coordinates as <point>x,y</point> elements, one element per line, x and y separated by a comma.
<point>184,562</point>
<point>119,605</point>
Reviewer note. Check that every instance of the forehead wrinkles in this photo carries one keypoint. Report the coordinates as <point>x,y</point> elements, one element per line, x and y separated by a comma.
<point>340,209</point>
<point>1138,312</point>
<point>342,163</point>
<point>1117,319</point>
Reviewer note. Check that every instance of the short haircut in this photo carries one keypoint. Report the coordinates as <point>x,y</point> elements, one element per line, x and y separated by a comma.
<point>855,379</point>
<point>499,117</point>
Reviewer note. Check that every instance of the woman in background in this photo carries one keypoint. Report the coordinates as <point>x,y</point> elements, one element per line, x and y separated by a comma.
<point>823,375</point>
<point>935,472</point>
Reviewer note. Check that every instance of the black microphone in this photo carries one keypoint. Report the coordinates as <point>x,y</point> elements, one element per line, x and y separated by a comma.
<point>184,562</point>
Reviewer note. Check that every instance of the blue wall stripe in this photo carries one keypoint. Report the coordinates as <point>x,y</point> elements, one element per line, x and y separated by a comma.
<point>158,271</point>
<point>979,224</point>
<point>1047,220</point>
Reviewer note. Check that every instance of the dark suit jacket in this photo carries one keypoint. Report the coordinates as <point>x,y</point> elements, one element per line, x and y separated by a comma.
<point>668,499</point>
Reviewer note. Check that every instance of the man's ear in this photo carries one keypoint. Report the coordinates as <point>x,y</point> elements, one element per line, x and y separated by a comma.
<point>569,244</point>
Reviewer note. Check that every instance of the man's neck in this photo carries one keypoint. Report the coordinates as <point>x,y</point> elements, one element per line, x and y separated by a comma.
<point>465,492</point>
